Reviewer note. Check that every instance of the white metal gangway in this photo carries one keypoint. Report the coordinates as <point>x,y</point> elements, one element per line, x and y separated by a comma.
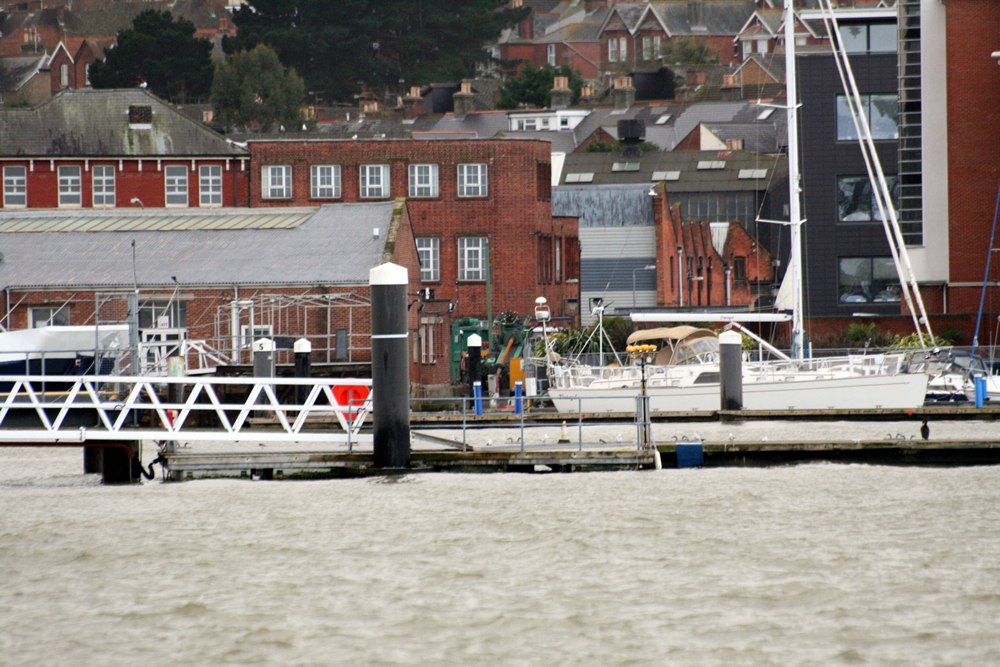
<point>39,408</point>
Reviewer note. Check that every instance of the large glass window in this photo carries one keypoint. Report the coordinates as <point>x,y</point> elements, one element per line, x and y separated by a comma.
<point>69,186</point>
<point>472,258</point>
<point>881,111</point>
<point>423,180</point>
<point>429,252</point>
<point>868,280</point>
<point>868,37</point>
<point>15,186</point>
<point>276,181</point>
<point>856,198</point>
<point>103,179</point>
<point>176,179</point>
<point>325,181</point>
<point>210,184</point>
<point>472,180</point>
<point>163,315</point>
<point>374,180</point>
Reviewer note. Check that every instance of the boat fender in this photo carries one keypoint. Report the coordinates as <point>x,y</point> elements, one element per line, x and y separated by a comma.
<point>151,474</point>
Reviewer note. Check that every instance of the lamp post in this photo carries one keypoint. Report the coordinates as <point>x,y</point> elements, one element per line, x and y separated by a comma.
<point>648,267</point>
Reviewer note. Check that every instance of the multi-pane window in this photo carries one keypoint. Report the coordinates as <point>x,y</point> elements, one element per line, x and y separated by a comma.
<point>651,47</point>
<point>210,184</point>
<point>276,181</point>
<point>856,199</point>
<point>868,280</point>
<point>325,180</point>
<point>69,186</point>
<point>622,49</point>
<point>550,53</point>
<point>103,179</point>
<point>881,111</point>
<point>868,37</point>
<point>472,180</point>
<point>374,180</point>
<point>48,317</point>
<point>176,179</point>
<point>429,253</point>
<point>472,258</point>
<point>15,186</point>
<point>423,180</point>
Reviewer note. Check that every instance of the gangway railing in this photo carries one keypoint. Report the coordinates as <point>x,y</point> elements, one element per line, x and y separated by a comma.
<point>134,408</point>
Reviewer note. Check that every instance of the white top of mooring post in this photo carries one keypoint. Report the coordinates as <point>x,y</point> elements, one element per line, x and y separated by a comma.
<point>475,340</point>
<point>389,274</point>
<point>263,345</point>
<point>730,338</point>
<point>302,345</point>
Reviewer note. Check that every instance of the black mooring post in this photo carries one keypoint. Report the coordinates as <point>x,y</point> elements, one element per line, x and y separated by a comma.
<point>474,360</point>
<point>731,370</point>
<point>91,460</point>
<point>117,466</point>
<point>303,368</point>
<point>390,366</point>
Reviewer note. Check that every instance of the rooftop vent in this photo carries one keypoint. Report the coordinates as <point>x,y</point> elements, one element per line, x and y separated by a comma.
<point>631,133</point>
<point>140,114</point>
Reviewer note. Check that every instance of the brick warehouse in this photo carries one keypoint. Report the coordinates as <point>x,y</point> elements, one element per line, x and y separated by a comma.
<point>477,207</point>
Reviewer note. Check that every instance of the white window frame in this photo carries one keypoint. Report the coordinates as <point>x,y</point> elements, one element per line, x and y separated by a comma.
<point>472,258</point>
<point>175,185</point>
<point>259,331</point>
<point>42,316</point>
<point>102,185</point>
<point>473,180</point>
<point>613,50</point>
<point>276,181</point>
<point>15,186</point>
<point>324,181</point>
<point>424,180</point>
<point>374,181</point>
<point>70,186</point>
<point>210,185</point>
<point>622,49</point>
<point>550,54</point>
<point>647,48</point>
<point>64,75</point>
<point>429,253</point>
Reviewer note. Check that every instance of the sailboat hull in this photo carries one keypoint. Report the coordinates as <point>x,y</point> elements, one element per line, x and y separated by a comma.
<point>901,391</point>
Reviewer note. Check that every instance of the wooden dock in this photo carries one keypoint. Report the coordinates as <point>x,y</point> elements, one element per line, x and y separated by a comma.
<point>276,465</point>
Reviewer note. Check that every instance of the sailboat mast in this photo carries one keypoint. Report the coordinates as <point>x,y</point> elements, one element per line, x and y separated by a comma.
<point>794,208</point>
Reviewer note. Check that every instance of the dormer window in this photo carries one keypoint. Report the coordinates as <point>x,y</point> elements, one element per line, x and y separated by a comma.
<point>140,117</point>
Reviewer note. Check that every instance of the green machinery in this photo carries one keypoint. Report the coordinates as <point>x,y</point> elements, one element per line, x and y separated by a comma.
<point>504,349</point>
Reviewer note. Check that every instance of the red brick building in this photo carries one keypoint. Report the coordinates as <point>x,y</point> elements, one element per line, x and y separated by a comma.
<point>115,149</point>
<point>481,213</point>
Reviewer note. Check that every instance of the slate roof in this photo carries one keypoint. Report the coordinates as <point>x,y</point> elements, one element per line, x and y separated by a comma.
<point>605,205</point>
<point>153,220</point>
<point>757,137</point>
<point>476,125</point>
<point>335,245</point>
<point>721,18</point>
<point>15,71</point>
<point>691,179</point>
<point>90,123</point>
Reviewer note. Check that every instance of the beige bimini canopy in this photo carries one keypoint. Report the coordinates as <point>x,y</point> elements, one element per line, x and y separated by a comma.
<point>691,342</point>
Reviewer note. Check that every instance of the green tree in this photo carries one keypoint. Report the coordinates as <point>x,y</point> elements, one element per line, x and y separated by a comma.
<point>531,86</point>
<point>689,51</point>
<point>253,90</point>
<point>387,45</point>
<point>161,52</point>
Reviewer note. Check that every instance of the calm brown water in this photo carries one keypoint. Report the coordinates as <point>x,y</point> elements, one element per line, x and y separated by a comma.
<point>805,565</point>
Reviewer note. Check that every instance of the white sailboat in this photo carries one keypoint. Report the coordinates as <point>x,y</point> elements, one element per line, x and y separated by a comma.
<point>688,379</point>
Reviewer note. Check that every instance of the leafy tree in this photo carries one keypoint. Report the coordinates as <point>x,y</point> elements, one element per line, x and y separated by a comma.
<point>253,90</point>
<point>161,52</point>
<point>689,51</point>
<point>531,86</point>
<point>340,47</point>
<point>617,147</point>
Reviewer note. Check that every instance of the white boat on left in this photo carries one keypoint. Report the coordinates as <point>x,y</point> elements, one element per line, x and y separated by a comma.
<point>61,350</point>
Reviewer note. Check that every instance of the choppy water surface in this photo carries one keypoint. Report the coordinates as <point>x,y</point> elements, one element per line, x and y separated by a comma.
<point>805,565</point>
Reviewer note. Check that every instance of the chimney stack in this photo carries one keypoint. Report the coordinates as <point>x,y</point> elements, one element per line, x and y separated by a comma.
<point>561,96</point>
<point>588,95</point>
<point>413,104</point>
<point>464,100</point>
<point>624,93</point>
<point>696,13</point>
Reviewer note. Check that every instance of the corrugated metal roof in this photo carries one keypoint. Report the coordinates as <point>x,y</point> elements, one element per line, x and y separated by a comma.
<point>159,220</point>
<point>605,206</point>
<point>335,245</point>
